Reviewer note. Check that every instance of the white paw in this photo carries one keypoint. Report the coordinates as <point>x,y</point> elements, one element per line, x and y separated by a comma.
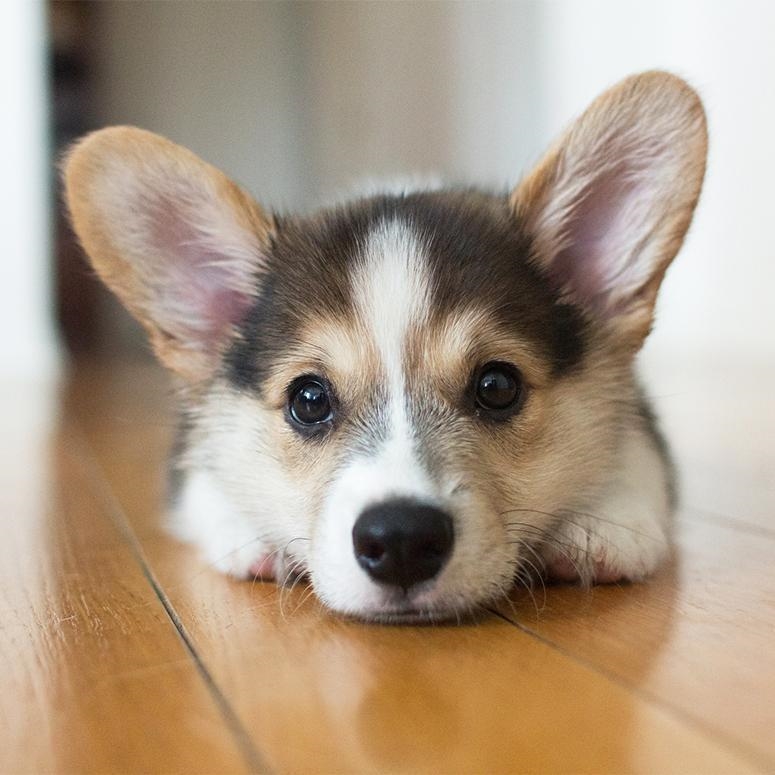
<point>596,552</point>
<point>626,535</point>
<point>251,561</point>
<point>204,516</point>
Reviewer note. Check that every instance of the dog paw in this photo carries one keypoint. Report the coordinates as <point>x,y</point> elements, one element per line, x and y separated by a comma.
<point>254,562</point>
<point>625,535</point>
<point>600,552</point>
<point>203,515</point>
<point>562,568</point>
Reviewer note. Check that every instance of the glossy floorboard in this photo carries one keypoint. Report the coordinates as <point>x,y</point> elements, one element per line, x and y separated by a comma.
<point>122,651</point>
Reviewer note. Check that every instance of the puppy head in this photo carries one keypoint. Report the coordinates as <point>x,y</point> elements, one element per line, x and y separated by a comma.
<point>419,385</point>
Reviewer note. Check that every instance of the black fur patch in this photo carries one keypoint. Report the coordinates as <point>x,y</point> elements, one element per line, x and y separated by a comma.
<point>477,252</point>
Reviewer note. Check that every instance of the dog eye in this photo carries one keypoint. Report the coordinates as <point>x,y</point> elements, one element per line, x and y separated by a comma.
<point>310,402</point>
<point>499,388</point>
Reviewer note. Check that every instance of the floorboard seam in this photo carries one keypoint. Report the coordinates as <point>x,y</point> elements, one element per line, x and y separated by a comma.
<point>755,757</point>
<point>253,758</point>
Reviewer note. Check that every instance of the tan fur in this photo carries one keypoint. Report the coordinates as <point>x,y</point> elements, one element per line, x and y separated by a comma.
<point>646,115</point>
<point>439,353</point>
<point>338,349</point>
<point>108,172</point>
<point>449,346</point>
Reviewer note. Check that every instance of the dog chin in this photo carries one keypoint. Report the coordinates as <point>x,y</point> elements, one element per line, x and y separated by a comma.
<point>427,604</point>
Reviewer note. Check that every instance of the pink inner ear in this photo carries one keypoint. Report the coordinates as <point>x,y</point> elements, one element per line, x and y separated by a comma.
<point>200,291</point>
<point>603,238</point>
<point>221,305</point>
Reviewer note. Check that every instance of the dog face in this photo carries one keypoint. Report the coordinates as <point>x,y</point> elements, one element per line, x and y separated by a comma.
<point>406,398</point>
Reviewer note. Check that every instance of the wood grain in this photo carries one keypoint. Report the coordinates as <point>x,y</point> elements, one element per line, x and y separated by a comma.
<point>697,638</point>
<point>94,675</point>
<point>674,675</point>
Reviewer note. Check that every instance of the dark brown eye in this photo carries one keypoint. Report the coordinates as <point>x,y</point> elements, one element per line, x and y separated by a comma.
<point>309,402</point>
<point>499,388</point>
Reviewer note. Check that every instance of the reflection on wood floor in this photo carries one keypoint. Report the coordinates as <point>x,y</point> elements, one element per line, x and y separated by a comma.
<point>122,651</point>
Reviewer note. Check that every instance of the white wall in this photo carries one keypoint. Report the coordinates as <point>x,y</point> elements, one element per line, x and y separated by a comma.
<point>27,347</point>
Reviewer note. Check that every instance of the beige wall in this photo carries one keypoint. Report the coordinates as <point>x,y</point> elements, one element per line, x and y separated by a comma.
<point>421,88</point>
<point>224,79</point>
<point>300,99</point>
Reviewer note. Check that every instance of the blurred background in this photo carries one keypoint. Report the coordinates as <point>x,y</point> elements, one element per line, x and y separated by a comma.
<point>302,101</point>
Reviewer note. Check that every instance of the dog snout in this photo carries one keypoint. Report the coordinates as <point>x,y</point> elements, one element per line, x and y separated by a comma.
<point>402,542</point>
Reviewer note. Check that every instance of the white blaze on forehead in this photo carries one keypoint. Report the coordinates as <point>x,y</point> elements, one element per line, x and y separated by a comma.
<point>392,296</point>
<point>391,292</point>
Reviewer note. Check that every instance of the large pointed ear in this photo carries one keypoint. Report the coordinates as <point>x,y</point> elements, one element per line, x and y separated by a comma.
<point>174,238</point>
<point>608,206</point>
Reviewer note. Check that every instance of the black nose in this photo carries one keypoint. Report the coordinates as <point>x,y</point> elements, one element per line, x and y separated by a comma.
<point>402,542</point>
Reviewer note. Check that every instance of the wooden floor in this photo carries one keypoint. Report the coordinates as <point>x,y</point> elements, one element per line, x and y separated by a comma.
<point>120,651</point>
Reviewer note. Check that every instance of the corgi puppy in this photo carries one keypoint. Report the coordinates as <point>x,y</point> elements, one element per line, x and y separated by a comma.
<point>412,399</point>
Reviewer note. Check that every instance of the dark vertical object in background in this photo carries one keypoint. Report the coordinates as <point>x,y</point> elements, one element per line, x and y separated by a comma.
<point>71,68</point>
